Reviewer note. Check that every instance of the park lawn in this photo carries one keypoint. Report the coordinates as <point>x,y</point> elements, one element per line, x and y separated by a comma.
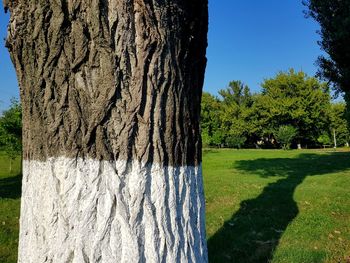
<point>261,206</point>
<point>10,192</point>
<point>277,206</point>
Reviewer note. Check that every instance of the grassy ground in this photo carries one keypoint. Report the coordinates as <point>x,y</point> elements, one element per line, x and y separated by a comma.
<point>10,192</point>
<point>262,206</point>
<point>278,206</point>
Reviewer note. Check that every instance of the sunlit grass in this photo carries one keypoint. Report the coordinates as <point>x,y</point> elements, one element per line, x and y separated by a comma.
<point>278,206</point>
<point>262,206</point>
<point>10,189</point>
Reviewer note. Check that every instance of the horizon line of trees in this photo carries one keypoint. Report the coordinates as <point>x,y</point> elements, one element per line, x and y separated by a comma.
<point>11,131</point>
<point>292,110</point>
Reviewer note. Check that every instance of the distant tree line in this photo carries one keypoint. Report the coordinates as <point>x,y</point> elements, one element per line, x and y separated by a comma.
<point>292,110</point>
<point>11,131</point>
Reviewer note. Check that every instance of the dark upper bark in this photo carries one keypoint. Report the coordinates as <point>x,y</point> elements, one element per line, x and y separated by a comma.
<point>110,79</point>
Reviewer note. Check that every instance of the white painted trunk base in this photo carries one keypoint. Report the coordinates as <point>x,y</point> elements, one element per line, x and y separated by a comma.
<point>99,211</point>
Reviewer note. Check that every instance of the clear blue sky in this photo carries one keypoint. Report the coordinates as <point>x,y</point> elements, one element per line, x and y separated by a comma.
<point>249,40</point>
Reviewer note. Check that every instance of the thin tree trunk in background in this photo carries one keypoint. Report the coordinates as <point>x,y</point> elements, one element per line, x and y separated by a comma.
<point>110,91</point>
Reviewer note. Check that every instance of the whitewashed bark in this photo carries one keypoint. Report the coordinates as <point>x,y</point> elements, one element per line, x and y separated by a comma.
<point>76,210</point>
<point>111,92</point>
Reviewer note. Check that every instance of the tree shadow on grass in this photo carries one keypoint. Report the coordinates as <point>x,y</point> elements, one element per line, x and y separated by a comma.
<point>10,187</point>
<point>254,231</point>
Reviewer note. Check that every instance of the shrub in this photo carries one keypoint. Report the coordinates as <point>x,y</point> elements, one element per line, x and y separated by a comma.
<point>235,141</point>
<point>284,135</point>
<point>324,139</point>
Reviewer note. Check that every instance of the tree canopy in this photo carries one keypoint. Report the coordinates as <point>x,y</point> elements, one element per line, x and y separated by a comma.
<point>291,101</point>
<point>293,98</point>
<point>284,135</point>
<point>334,19</point>
<point>11,130</point>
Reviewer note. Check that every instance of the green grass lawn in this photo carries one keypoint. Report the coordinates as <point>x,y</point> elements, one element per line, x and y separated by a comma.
<point>10,192</point>
<point>262,206</point>
<point>277,206</point>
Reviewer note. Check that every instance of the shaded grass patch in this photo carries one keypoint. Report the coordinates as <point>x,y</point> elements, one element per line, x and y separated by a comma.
<point>285,203</point>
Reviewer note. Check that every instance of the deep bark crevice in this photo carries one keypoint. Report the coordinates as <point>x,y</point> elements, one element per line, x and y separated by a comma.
<point>111,94</point>
<point>85,73</point>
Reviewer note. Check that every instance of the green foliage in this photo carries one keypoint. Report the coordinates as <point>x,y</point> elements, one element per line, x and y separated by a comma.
<point>338,123</point>
<point>334,19</point>
<point>11,131</point>
<point>206,140</point>
<point>235,141</point>
<point>210,122</point>
<point>226,121</point>
<point>290,98</point>
<point>236,103</point>
<point>217,138</point>
<point>293,98</point>
<point>324,139</point>
<point>284,135</point>
<point>236,94</point>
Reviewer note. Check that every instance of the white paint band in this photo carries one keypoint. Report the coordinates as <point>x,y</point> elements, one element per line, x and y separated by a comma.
<point>100,211</point>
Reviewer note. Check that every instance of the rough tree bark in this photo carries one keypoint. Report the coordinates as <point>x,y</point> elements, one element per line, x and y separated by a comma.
<point>111,93</point>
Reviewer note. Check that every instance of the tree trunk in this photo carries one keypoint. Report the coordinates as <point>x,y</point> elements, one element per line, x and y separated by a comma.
<point>111,94</point>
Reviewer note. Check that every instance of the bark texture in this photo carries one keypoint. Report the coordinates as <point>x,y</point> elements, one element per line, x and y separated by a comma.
<point>98,211</point>
<point>110,92</point>
<point>110,79</point>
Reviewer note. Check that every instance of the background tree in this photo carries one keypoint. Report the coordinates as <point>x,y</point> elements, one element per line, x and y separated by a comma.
<point>289,98</point>
<point>284,135</point>
<point>228,117</point>
<point>235,123</point>
<point>11,131</point>
<point>237,93</point>
<point>324,139</point>
<point>293,98</point>
<point>235,141</point>
<point>111,95</point>
<point>334,19</point>
<point>210,120</point>
<point>338,123</point>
